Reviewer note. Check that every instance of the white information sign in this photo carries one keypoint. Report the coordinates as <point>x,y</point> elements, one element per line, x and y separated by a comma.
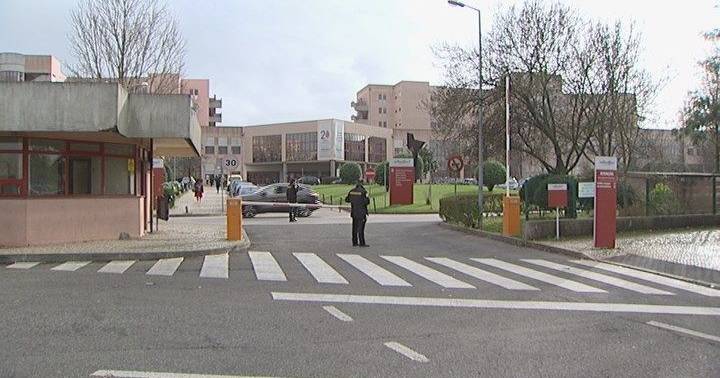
<point>402,162</point>
<point>586,189</point>
<point>606,163</point>
<point>158,163</point>
<point>339,130</point>
<point>557,187</point>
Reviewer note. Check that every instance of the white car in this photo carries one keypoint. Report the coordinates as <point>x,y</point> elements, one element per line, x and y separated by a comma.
<point>513,184</point>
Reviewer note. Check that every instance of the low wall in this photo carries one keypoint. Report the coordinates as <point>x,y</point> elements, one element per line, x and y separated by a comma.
<point>65,220</point>
<point>533,230</point>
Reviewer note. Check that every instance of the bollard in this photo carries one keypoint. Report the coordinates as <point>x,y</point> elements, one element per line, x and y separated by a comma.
<point>234,219</point>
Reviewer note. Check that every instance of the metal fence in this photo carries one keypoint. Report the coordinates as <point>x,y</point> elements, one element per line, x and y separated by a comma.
<point>689,193</point>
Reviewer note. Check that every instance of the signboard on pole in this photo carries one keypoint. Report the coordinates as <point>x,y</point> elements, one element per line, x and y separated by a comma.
<point>586,189</point>
<point>370,174</point>
<point>402,178</point>
<point>604,222</point>
<point>557,195</point>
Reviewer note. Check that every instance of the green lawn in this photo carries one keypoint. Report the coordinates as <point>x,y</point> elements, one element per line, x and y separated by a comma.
<point>379,200</point>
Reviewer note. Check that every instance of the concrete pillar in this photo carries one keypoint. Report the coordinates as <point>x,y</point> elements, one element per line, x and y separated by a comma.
<point>283,178</point>
<point>332,167</point>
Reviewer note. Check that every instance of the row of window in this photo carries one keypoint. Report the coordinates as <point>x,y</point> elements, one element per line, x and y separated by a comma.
<point>382,110</point>
<point>57,167</point>
<point>303,147</point>
<point>382,97</point>
<point>382,123</point>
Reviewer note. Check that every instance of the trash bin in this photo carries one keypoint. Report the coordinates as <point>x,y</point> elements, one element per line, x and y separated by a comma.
<point>234,219</point>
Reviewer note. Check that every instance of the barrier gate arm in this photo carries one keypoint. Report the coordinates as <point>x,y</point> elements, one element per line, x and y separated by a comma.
<point>279,204</point>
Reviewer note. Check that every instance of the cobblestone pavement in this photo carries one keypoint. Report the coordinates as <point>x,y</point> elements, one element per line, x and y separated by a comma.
<point>700,248</point>
<point>212,203</point>
<point>177,234</point>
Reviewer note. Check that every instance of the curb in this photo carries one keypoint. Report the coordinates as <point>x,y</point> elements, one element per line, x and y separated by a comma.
<point>238,247</point>
<point>568,252</point>
<point>189,215</point>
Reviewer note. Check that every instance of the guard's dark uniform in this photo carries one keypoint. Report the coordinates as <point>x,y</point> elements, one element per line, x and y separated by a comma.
<point>358,211</point>
<point>292,198</point>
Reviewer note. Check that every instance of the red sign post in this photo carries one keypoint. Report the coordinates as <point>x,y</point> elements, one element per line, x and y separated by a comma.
<point>557,198</point>
<point>370,174</point>
<point>402,178</point>
<point>604,223</point>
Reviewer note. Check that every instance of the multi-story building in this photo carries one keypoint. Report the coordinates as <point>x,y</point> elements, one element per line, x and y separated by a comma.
<point>270,153</point>
<point>19,67</point>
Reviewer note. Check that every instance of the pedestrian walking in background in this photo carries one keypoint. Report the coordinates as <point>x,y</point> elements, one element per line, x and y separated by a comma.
<point>358,211</point>
<point>217,184</point>
<point>292,198</point>
<point>198,189</point>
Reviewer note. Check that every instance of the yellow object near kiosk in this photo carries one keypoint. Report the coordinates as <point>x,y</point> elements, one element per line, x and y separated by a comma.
<point>511,216</point>
<point>234,219</point>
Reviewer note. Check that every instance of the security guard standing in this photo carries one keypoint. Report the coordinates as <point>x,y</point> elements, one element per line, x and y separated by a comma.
<point>358,211</point>
<point>291,195</point>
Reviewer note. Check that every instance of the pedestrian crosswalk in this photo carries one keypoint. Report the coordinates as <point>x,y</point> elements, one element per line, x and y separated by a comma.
<point>530,275</point>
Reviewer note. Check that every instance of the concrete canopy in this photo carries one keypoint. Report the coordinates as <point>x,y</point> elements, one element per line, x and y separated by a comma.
<point>101,107</point>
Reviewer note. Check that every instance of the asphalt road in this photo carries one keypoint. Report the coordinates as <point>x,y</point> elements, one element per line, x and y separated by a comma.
<point>75,323</point>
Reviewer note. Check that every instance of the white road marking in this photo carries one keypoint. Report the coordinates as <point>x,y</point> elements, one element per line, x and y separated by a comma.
<point>337,313</point>
<point>405,351</point>
<point>215,266</point>
<point>656,278</point>
<point>540,276</point>
<point>266,267</point>
<point>319,269</point>
<point>684,330</point>
<point>599,277</point>
<point>22,265</point>
<point>117,266</point>
<point>481,274</point>
<point>484,303</point>
<point>374,271</point>
<point>165,267</point>
<point>433,275</point>
<point>70,266</point>
<point>150,374</point>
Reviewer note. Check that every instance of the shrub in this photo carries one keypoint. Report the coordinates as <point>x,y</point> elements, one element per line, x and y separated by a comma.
<point>534,192</point>
<point>380,173</point>
<point>350,173</point>
<point>626,195</point>
<point>463,209</point>
<point>327,179</point>
<point>493,174</point>
<point>169,192</point>
<point>662,200</point>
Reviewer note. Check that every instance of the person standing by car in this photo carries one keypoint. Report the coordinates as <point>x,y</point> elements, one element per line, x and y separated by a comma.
<point>358,211</point>
<point>291,194</point>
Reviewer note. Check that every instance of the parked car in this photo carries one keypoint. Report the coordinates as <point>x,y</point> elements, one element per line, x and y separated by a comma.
<point>239,188</point>
<point>308,180</point>
<point>513,184</point>
<point>470,181</point>
<point>278,193</point>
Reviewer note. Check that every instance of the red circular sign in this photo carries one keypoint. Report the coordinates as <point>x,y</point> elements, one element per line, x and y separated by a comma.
<point>370,173</point>
<point>455,163</point>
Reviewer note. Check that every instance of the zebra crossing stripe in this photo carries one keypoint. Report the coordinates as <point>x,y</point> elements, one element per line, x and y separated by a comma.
<point>374,271</point>
<point>481,274</point>
<point>165,267</point>
<point>540,276</point>
<point>265,267</point>
<point>405,351</point>
<point>319,269</point>
<point>429,274</point>
<point>22,265</point>
<point>656,278</point>
<point>215,266</point>
<point>70,266</point>
<point>599,277</point>
<point>117,266</point>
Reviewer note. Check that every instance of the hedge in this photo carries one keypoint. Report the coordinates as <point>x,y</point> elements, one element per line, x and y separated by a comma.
<point>463,209</point>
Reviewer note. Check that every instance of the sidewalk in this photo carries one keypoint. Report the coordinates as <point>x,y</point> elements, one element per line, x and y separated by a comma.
<point>178,237</point>
<point>213,203</point>
<point>693,254</point>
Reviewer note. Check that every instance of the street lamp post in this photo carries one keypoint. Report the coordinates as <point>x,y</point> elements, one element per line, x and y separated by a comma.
<point>480,107</point>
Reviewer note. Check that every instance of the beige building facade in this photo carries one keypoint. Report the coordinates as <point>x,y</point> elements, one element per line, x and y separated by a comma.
<point>265,154</point>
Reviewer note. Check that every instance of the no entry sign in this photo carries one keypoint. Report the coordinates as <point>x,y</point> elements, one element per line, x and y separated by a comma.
<point>370,174</point>
<point>455,164</point>
<point>604,223</point>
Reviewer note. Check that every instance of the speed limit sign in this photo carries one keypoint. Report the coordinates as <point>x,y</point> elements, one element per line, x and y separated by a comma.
<point>455,163</point>
<point>231,163</point>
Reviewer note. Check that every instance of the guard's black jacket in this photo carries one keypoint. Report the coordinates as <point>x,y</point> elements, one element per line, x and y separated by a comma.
<point>358,201</point>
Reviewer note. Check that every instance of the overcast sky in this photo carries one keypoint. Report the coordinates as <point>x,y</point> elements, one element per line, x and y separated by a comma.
<point>288,60</point>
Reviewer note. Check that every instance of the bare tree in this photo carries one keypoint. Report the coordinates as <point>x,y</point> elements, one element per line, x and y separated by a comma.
<point>128,41</point>
<point>575,85</point>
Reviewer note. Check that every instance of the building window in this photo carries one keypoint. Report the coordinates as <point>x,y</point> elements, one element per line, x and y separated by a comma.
<point>235,150</point>
<point>379,110</point>
<point>379,96</point>
<point>47,174</point>
<point>118,179</point>
<point>85,174</point>
<point>222,150</point>
<point>384,110</point>
<point>301,146</point>
<point>379,123</point>
<point>384,123</point>
<point>11,168</point>
<point>354,147</point>
<point>377,149</point>
<point>209,150</point>
<point>384,96</point>
<point>267,148</point>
